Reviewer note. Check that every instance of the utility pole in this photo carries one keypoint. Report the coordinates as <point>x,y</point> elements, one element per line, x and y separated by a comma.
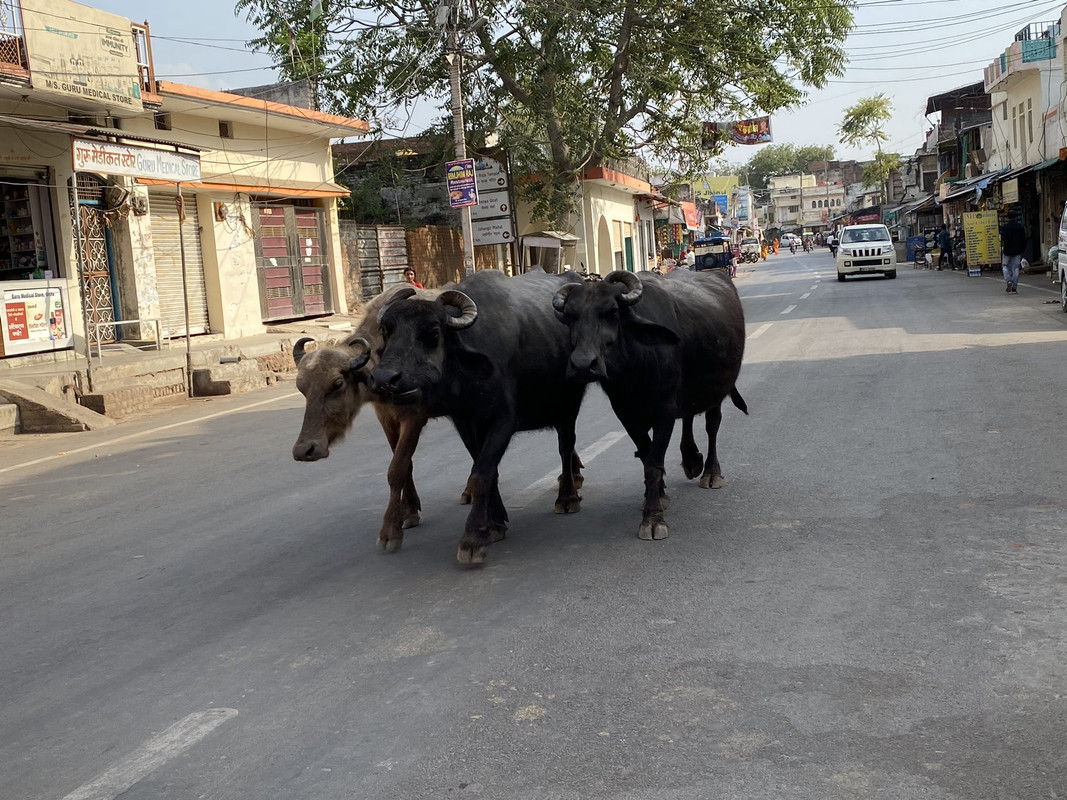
<point>448,14</point>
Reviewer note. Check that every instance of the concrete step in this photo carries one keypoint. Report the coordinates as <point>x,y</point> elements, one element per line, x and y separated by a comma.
<point>234,378</point>
<point>118,403</point>
<point>41,412</point>
<point>9,418</point>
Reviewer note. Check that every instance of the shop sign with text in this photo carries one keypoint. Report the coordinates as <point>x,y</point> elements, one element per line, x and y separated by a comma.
<point>110,158</point>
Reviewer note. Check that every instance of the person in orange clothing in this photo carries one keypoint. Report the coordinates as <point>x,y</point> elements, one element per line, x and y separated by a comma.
<point>776,245</point>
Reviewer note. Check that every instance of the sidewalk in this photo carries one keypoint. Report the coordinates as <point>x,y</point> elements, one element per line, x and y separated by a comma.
<point>62,391</point>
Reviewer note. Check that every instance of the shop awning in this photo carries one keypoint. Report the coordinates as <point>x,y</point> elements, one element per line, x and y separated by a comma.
<point>555,239</point>
<point>976,184</point>
<point>228,183</point>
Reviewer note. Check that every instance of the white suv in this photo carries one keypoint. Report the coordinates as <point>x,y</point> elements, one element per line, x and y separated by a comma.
<point>864,250</point>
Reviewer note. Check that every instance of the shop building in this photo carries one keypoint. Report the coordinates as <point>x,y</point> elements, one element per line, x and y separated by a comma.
<point>133,206</point>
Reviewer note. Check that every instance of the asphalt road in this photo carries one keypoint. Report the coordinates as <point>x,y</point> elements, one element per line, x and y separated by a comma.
<point>873,605</point>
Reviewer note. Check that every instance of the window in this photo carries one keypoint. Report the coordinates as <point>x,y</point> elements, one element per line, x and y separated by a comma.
<point>813,204</point>
<point>162,122</point>
<point>225,129</point>
<point>1030,120</point>
<point>1004,110</point>
<point>1014,127</point>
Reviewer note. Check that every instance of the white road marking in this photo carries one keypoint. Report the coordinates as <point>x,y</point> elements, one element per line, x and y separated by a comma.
<point>813,288</point>
<point>77,450</point>
<point>805,296</point>
<point>789,309</point>
<point>153,754</point>
<point>761,296</point>
<point>762,329</point>
<point>523,497</point>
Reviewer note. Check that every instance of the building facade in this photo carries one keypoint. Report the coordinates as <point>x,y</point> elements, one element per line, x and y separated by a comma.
<point>133,205</point>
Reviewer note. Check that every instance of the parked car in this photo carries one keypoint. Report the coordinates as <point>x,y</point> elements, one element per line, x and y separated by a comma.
<point>866,250</point>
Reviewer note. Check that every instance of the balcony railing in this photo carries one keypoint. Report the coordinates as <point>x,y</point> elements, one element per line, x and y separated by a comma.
<point>1032,45</point>
<point>12,43</point>
<point>1039,30</point>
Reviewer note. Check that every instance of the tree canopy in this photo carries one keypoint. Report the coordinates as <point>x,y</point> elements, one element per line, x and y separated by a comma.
<point>781,159</point>
<point>864,123</point>
<point>564,85</point>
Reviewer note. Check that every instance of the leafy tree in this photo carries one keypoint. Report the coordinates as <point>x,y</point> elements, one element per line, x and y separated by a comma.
<point>782,159</point>
<point>570,85</point>
<point>864,123</point>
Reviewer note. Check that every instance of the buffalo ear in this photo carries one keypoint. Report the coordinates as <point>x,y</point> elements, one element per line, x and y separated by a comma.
<point>651,333</point>
<point>473,363</point>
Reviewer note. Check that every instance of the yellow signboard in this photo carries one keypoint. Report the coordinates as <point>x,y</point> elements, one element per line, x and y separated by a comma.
<point>981,234</point>
<point>84,55</point>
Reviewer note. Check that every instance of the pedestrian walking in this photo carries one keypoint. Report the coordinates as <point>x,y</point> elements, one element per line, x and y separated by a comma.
<point>776,245</point>
<point>944,242</point>
<point>1012,245</point>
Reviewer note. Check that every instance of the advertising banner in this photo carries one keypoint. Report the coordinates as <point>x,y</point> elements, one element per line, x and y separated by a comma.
<point>981,235</point>
<point>136,162</point>
<point>746,131</point>
<point>460,180</point>
<point>81,54</point>
<point>34,320</point>
<point>722,203</point>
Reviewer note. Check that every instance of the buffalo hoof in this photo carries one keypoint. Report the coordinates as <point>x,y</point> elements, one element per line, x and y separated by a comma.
<point>693,466</point>
<point>568,505</point>
<point>711,482</point>
<point>389,545</point>
<point>465,498</point>
<point>411,521</point>
<point>471,554</point>
<point>652,531</point>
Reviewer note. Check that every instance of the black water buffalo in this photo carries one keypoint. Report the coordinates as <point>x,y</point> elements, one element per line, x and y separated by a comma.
<point>490,356</point>
<point>663,348</point>
<point>333,382</point>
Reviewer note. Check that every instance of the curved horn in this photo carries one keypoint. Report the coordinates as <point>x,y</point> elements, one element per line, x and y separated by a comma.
<point>468,311</point>
<point>360,361</point>
<point>632,284</point>
<point>559,299</point>
<point>401,294</point>
<point>298,348</point>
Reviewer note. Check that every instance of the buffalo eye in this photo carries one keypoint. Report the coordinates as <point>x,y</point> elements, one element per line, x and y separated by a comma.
<point>337,385</point>
<point>432,337</point>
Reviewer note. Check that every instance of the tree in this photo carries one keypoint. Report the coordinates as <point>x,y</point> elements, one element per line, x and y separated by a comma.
<point>781,159</point>
<point>567,86</point>
<point>864,123</point>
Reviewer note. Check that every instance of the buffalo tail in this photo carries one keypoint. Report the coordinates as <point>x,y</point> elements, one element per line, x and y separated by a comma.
<point>738,400</point>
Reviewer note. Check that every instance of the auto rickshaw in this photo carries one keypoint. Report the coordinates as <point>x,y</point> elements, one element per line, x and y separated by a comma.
<point>714,252</point>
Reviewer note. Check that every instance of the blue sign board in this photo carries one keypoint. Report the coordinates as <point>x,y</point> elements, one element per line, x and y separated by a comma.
<point>461,180</point>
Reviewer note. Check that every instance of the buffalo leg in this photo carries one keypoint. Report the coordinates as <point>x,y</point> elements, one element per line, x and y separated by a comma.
<point>481,527</point>
<point>692,460</point>
<point>568,501</point>
<point>712,477</point>
<point>392,425</point>
<point>653,526</point>
<point>399,513</point>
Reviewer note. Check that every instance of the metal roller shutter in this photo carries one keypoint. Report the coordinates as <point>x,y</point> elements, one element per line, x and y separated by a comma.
<point>168,257</point>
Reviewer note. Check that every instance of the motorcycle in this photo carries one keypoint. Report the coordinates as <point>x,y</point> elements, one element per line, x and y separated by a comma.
<point>749,258</point>
<point>793,248</point>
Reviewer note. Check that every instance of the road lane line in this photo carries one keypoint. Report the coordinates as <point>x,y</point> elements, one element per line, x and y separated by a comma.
<point>789,309</point>
<point>762,329</point>
<point>805,296</point>
<point>523,497</point>
<point>129,436</point>
<point>153,754</point>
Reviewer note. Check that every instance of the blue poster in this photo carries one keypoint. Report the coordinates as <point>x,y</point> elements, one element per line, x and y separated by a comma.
<point>461,183</point>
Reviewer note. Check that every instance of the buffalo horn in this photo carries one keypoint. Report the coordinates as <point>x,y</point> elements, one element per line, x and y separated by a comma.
<point>632,284</point>
<point>468,311</point>
<point>298,348</point>
<point>401,294</point>
<point>559,299</point>
<point>359,361</point>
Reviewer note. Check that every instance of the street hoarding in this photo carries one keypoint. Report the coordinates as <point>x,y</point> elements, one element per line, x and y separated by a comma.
<point>493,231</point>
<point>981,236</point>
<point>34,318</point>
<point>492,218</point>
<point>109,158</point>
<point>460,181</point>
<point>81,54</point>
<point>745,131</point>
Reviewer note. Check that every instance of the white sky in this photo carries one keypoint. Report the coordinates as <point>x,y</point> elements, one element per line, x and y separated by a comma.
<point>907,49</point>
